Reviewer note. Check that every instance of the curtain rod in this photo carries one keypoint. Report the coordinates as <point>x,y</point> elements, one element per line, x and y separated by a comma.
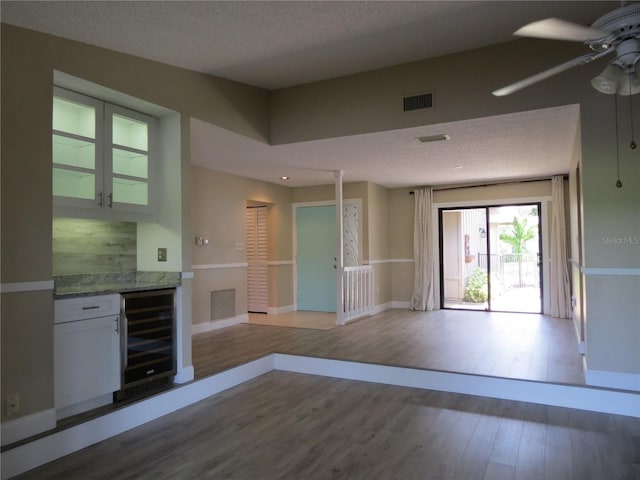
<point>516,182</point>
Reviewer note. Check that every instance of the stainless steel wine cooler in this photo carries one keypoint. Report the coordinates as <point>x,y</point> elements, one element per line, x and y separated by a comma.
<point>148,336</point>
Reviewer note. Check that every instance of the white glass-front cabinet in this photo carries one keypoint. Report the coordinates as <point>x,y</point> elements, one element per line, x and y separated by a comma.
<point>102,155</point>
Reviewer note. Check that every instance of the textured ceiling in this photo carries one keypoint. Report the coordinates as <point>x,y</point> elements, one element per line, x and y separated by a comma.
<point>275,44</point>
<point>523,145</point>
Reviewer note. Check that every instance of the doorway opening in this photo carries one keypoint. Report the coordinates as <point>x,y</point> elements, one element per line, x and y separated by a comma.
<point>490,258</point>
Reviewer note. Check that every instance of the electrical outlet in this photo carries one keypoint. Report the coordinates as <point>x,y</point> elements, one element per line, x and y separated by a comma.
<point>162,254</point>
<point>13,404</point>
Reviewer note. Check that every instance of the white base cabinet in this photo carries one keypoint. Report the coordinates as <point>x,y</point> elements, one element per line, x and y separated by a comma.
<point>86,350</point>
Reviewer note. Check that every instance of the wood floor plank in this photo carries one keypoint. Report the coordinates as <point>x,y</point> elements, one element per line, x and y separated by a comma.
<point>499,471</point>
<point>524,346</point>
<point>284,425</point>
<point>531,452</point>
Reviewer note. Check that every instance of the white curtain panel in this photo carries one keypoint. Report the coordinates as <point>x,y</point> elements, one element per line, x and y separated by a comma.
<point>560,291</point>
<point>423,298</point>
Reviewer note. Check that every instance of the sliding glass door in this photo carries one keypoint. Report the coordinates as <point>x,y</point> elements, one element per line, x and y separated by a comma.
<point>490,258</point>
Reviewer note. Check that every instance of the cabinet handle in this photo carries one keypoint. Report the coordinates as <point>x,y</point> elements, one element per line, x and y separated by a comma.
<point>100,201</point>
<point>110,200</point>
<point>117,320</point>
<point>93,307</point>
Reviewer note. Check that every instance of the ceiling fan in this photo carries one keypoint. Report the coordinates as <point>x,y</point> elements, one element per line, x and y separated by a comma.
<point>615,32</point>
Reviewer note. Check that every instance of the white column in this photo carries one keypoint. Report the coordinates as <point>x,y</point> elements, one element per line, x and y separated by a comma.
<point>339,249</point>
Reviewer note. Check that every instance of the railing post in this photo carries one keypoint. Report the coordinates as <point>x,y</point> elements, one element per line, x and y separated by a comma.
<point>340,305</point>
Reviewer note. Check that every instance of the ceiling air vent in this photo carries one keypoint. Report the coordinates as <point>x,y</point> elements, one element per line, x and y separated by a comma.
<point>418,102</point>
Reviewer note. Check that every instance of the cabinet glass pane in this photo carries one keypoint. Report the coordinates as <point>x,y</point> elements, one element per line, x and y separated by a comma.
<point>130,163</point>
<point>74,184</point>
<point>130,133</point>
<point>75,153</point>
<point>74,118</point>
<point>130,191</point>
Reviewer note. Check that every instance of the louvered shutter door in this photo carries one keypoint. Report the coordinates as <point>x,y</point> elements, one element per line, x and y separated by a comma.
<point>256,248</point>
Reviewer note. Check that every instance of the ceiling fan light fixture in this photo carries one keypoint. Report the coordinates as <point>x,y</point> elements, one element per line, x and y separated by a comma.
<point>629,85</point>
<point>609,80</point>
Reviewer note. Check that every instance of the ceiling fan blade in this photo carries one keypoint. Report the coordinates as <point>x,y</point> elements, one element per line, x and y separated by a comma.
<point>514,87</point>
<point>556,29</point>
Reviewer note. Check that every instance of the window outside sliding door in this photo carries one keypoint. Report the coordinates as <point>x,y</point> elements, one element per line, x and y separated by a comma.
<point>490,258</point>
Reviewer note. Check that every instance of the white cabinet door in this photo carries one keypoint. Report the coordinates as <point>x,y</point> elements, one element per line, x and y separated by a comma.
<point>87,359</point>
<point>104,159</point>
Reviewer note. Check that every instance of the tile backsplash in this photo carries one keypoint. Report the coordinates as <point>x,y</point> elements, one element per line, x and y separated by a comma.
<point>93,246</point>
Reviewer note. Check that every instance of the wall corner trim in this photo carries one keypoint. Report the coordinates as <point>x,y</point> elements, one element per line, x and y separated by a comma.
<point>184,375</point>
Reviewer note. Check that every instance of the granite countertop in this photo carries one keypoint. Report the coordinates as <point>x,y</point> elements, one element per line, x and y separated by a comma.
<point>103,283</point>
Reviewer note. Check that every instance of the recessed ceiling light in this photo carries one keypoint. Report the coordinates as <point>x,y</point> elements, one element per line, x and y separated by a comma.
<point>285,178</point>
<point>457,167</point>
<point>433,138</point>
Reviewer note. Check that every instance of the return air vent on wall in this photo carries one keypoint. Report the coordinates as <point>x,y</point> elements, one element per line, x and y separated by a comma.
<point>418,102</point>
<point>223,303</point>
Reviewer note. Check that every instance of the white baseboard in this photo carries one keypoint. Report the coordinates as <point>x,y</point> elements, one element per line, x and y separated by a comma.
<point>403,305</point>
<point>381,308</point>
<point>85,406</point>
<point>14,430</point>
<point>280,310</point>
<point>197,328</point>
<point>622,381</point>
<point>184,375</point>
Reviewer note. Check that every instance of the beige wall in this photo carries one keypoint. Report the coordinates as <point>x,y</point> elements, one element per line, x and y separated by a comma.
<point>401,243</point>
<point>371,101</point>
<point>611,235</point>
<point>360,103</point>
<point>379,248</point>
<point>27,350</point>
<point>461,84</point>
<point>219,201</point>
<point>27,333</point>
<point>507,192</point>
<point>28,63</point>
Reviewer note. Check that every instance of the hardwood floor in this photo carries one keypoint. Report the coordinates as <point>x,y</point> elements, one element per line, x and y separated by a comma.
<point>293,426</point>
<point>285,425</point>
<point>523,346</point>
